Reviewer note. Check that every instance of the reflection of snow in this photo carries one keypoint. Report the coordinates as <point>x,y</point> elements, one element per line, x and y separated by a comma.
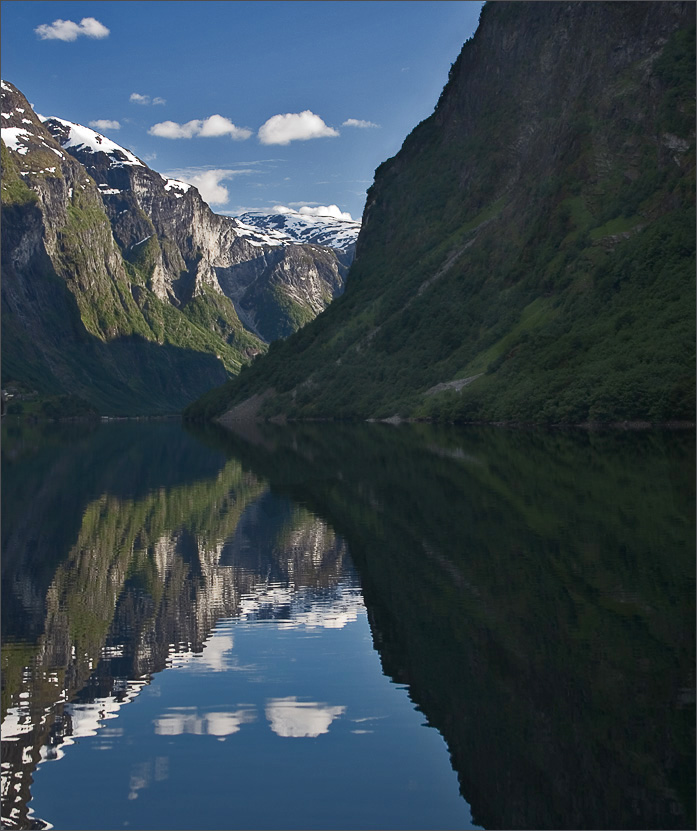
<point>17,721</point>
<point>88,719</point>
<point>302,607</point>
<point>180,720</point>
<point>300,719</point>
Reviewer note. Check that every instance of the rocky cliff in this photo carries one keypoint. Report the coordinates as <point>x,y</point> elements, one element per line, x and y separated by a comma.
<point>122,287</point>
<point>528,255</point>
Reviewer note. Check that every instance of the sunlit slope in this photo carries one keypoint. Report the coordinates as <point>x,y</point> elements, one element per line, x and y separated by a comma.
<point>534,235</point>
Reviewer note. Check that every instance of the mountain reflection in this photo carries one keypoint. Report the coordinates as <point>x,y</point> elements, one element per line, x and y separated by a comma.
<point>139,587</point>
<point>534,591</point>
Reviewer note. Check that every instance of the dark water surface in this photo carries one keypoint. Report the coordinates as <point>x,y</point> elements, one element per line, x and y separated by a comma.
<point>347,627</point>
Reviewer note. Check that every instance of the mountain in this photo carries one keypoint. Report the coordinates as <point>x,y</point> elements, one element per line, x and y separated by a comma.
<point>289,226</point>
<point>528,255</point>
<point>122,288</point>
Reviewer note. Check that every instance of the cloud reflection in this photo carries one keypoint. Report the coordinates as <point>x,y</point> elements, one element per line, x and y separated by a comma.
<point>181,720</point>
<point>289,717</point>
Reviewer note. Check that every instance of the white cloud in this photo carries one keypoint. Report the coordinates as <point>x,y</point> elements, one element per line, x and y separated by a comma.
<point>67,30</point>
<point>217,125</point>
<point>313,209</point>
<point>137,98</point>
<point>358,122</point>
<point>172,130</point>
<point>214,125</point>
<point>282,129</point>
<point>105,124</point>
<point>208,182</point>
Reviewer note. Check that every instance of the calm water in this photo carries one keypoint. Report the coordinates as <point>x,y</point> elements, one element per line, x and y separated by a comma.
<point>346,627</point>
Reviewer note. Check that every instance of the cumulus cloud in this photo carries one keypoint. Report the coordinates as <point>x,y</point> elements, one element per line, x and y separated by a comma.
<point>214,125</point>
<point>105,124</point>
<point>314,209</point>
<point>137,98</point>
<point>217,125</point>
<point>67,30</point>
<point>282,129</point>
<point>208,182</point>
<point>172,130</point>
<point>358,122</point>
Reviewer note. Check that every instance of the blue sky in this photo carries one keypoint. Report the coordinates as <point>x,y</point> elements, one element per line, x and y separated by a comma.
<point>262,103</point>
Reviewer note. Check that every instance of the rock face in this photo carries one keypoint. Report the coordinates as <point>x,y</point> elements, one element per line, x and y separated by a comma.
<point>537,232</point>
<point>123,288</point>
<point>166,224</point>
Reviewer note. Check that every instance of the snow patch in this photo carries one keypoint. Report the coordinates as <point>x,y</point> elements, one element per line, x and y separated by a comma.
<point>175,183</point>
<point>12,136</point>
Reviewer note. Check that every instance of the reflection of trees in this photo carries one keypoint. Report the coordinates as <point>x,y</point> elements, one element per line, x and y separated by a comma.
<point>535,590</point>
<point>145,577</point>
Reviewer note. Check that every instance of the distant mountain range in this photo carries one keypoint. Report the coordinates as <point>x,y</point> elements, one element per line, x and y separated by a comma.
<point>529,254</point>
<point>292,227</point>
<point>122,288</point>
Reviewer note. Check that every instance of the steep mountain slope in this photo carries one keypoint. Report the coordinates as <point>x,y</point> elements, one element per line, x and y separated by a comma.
<point>529,253</point>
<point>165,227</point>
<point>74,319</point>
<point>123,289</point>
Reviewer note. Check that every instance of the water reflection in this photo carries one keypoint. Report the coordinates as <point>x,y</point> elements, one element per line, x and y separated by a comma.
<point>188,720</point>
<point>536,593</point>
<point>533,592</point>
<point>300,719</point>
<point>140,586</point>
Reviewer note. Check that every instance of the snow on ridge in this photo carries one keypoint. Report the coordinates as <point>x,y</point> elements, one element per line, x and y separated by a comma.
<point>80,136</point>
<point>175,183</point>
<point>257,237</point>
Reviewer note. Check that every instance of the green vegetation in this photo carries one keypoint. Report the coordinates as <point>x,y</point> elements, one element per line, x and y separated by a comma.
<point>563,272</point>
<point>14,190</point>
<point>91,332</point>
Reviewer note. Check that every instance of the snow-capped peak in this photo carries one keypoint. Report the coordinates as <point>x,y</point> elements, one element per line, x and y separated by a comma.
<point>285,226</point>
<point>85,138</point>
